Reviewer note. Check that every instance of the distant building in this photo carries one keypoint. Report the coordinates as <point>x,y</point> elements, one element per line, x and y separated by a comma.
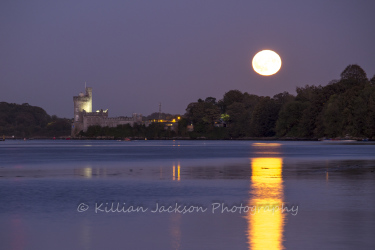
<point>190,128</point>
<point>220,124</point>
<point>169,124</point>
<point>84,117</point>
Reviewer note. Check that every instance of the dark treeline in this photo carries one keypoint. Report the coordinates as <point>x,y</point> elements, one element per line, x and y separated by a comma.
<point>343,108</point>
<point>30,121</point>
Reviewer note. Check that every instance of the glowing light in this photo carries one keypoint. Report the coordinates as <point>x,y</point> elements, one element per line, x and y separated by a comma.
<point>265,227</point>
<point>87,172</point>
<point>178,177</point>
<point>267,148</point>
<point>266,62</point>
<point>87,106</point>
<point>267,170</point>
<point>266,144</point>
<point>174,173</point>
<point>178,172</point>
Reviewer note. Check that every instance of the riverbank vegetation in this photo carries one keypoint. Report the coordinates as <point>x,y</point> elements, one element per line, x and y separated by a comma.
<point>344,108</point>
<point>24,121</point>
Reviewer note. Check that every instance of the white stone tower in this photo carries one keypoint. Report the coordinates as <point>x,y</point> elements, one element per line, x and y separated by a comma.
<point>82,103</point>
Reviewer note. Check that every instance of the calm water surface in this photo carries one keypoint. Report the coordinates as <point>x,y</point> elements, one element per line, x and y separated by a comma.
<point>186,195</point>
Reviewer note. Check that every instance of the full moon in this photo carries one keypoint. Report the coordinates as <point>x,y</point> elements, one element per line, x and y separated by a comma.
<point>266,62</point>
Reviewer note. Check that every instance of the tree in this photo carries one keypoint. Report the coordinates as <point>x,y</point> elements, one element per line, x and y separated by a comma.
<point>203,115</point>
<point>27,121</point>
<point>306,93</point>
<point>182,127</point>
<point>288,123</point>
<point>264,117</point>
<point>250,101</point>
<point>372,80</point>
<point>354,72</point>
<point>370,115</point>
<point>239,120</point>
<point>283,98</point>
<point>229,98</point>
<point>332,117</point>
<point>210,100</point>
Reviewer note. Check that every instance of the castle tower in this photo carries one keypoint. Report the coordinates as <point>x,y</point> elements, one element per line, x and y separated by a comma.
<point>82,103</point>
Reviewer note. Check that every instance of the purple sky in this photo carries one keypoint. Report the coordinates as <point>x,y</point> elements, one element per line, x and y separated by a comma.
<point>136,54</point>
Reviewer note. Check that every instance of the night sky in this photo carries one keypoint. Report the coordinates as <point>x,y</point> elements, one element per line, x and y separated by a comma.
<point>136,54</point>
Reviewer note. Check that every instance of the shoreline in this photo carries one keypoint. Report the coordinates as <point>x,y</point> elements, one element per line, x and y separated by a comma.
<point>105,138</point>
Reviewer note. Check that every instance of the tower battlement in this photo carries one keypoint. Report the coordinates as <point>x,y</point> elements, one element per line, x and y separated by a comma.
<point>84,117</point>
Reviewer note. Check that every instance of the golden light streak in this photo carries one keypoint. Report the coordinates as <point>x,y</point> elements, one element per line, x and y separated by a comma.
<point>265,227</point>
<point>174,172</point>
<point>178,172</point>
<point>259,144</point>
<point>178,176</point>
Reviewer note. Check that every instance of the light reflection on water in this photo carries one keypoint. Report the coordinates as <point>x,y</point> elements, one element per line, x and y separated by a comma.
<point>85,230</point>
<point>17,233</point>
<point>175,231</point>
<point>87,172</point>
<point>335,197</point>
<point>176,174</point>
<point>266,224</point>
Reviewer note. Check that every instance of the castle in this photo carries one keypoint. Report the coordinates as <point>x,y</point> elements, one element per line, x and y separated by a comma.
<point>84,117</point>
